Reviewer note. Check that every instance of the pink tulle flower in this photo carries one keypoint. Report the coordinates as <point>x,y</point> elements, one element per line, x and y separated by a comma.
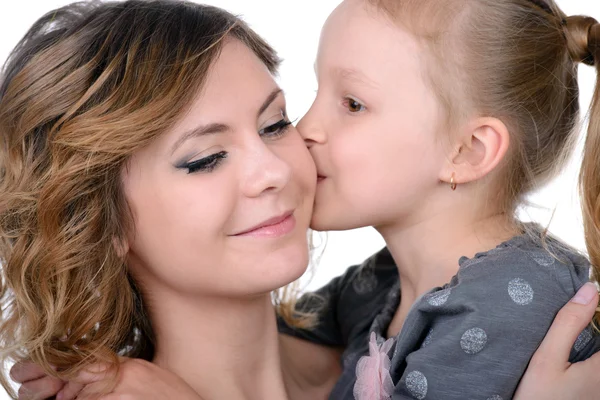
<point>373,379</point>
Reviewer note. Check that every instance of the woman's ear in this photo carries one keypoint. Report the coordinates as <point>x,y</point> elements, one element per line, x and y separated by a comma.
<point>121,247</point>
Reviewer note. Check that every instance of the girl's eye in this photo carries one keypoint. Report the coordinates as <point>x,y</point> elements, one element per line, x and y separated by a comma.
<point>277,129</point>
<point>353,105</point>
<point>206,164</point>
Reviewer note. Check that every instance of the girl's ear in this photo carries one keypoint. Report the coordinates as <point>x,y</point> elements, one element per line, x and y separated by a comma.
<point>479,150</point>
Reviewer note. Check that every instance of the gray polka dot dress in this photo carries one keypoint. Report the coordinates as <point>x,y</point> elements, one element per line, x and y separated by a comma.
<point>470,339</point>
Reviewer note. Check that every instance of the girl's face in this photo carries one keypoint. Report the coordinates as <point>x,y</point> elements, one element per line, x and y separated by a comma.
<point>373,126</point>
<point>222,202</point>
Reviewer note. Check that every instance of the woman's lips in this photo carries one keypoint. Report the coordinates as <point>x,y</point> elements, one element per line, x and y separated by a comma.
<point>273,228</point>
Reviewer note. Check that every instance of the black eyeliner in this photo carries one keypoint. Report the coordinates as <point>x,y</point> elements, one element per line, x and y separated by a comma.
<point>277,129</point>
<point>206,164</point>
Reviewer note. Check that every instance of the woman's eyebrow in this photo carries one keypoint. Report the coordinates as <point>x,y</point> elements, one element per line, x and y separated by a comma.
<point>215,128</point>
<point>202,130</point>
<point>270,99</point>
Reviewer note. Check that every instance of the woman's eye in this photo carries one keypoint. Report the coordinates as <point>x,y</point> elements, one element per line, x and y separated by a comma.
<point>206,164</point>
<point>277,129</point>
<point>353,105</point>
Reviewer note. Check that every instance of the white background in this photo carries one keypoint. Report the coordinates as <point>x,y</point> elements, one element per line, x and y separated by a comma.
<point>293,27</point>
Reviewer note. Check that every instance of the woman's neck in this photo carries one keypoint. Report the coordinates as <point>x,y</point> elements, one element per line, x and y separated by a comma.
<point>223,348</point>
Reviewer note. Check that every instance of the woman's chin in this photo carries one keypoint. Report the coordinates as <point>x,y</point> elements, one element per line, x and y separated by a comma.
<point>285,266</point>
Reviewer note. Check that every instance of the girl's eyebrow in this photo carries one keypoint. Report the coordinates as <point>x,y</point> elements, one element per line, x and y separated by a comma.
<point>355,76</point>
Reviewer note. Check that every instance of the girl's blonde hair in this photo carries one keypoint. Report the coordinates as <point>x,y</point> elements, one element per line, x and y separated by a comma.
<point>516,60</point>
<point>87,86</point>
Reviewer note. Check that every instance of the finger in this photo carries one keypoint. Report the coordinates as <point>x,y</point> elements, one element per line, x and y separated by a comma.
<point>70,391</point>
<point>95,380</point>
<point>568,324</point>
<point>96,390</point>
<point>40,388</point>
<point>83,396</point>
<point>91,374</point>
<point>110,396</point>
<point>25,371</point>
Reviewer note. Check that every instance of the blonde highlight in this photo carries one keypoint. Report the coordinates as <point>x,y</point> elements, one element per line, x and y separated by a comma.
<point>87,86</point>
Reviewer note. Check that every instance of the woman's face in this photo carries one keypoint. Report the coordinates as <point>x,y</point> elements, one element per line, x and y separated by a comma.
<point>222,201</point>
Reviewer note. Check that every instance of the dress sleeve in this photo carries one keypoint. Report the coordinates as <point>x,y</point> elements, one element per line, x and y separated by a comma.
<point>347,302</point>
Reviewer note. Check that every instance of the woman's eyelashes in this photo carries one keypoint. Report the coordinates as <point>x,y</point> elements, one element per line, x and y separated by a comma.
<point>206,164</point>
<point>277,129</point>
<point>211,162</point>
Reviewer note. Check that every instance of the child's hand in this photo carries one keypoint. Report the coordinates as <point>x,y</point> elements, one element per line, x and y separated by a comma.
<point>35,383</point>
<point>550,376</point>
<point>137,379</point>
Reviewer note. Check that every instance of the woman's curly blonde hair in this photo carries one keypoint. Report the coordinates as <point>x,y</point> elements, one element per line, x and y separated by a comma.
<point>87,86</point>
